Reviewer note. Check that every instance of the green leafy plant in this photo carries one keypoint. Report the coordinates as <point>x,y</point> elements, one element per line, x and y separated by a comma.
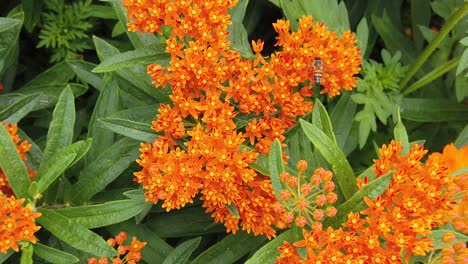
<point>378,92</point>
<point>65,28</point>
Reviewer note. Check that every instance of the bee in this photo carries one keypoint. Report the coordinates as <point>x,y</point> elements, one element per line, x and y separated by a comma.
<point>318,71</point>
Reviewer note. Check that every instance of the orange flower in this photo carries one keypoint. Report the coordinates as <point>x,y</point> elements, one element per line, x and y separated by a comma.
<point>418,199</point>
<point>22,147</point>
<point>16,223</point>
<point>199,150</point>
<point>127,253</point>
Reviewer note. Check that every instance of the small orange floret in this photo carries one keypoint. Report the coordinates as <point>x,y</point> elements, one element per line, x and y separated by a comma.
<point>16,223</point>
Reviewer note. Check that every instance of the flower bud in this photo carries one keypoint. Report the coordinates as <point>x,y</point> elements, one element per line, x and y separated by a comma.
<point>301,165</point>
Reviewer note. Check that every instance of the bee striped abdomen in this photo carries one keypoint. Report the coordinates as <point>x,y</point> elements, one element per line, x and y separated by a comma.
<point>318,71</point>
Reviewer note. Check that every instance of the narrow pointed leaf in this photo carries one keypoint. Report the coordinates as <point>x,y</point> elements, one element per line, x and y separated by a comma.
<point>276,167</point>
<point>192,221</point>
<point>401,135</point>
<point>341,118</point>
<point>230,249</point>
<point>129,128</point>
<point>13,113</point>
<point>233,210</point>
<point>74,234</point>
<point>60,132</point>
<point>83,70</point>
<point>356,202</point>
<point>343,172</point>
<point>432,110</point>
<point>182,252</point>
<point>55,166</point>
<point>58,74</point>
<point>99,215</point>
<point>269,252</point>
<point>321,119</point>
<point>53,255</point>
<point>12,165</point>
<point>462,139</point>
<point>105,169</point>
<point>107,103</point>
<point>155,54</point>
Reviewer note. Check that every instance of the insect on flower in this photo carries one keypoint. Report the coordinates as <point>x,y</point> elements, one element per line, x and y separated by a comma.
<point>318,71</point>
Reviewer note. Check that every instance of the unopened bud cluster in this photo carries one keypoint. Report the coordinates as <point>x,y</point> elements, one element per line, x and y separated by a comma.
<point>308,200</point>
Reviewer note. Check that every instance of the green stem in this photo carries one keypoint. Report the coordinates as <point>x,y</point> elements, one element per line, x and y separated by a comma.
<point>452,21</point>
<point>436,73</point>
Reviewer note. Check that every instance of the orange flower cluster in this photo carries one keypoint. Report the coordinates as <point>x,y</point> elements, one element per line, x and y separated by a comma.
<point>308,201</point>
<point>456,160</point>
<point>16,223</point>
<point>199,151</point>
<point>130,254</point>
<point>22,147</point>
<point>418,199</point>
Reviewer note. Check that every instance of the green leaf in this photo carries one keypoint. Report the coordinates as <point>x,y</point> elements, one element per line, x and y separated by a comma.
<point>420,15</point>
<point>32,13</point>
<point>341,118</point>
<point>99,215</point>
<point>462,139</point>
<point>432,110</point>
<point>27,254</point>
<point>174,223</point>
<point>13,113</point>
<point>182,252</point>
<point>105,169</point>
<point>356,203</point>
<point>333,14</point>
<point>230,249</point>
<point>4,257</point>
<point>335,157</point>
<point>60,73</point>
<point>83,70</point>
<point>10,29</point>
<point>155,54</point>
<point>233,210</point>
<point>53,255</point>
<point>293,10</point>
<point>50,93</point>
<point>269,252</point>
<point>107,103</point>
<point>60,132</point>
<point>238,34</point>
<point>134,122</point>
<point>12,165</point>
<point>74,234</point>
<point>55,166</point>
<point>129,128</point>
<point>321,119</point>
<point>276,167</point>
<point>401,135</point>
<point>135,75</point>
<point>393,38</point>
<point>51,169</point>
<point>362,35</point>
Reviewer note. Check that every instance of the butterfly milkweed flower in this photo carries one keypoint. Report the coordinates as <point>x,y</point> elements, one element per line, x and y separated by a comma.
<point>200,151</point>
<point>16,223</point>
<point>399,222</point>
<point>130,254</point>
<point>22,147</point>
